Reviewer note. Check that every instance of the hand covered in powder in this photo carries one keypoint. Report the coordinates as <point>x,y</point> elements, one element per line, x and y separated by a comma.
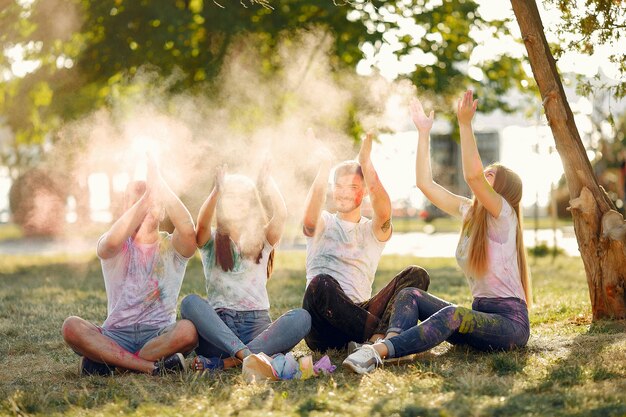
<point>220,172</point>
<point>264,173</point>
<point>366,149</point>
<point>154,179</point>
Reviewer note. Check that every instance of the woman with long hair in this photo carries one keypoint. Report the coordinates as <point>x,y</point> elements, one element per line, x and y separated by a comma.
<point>490,252</point>
<point>237,258</point>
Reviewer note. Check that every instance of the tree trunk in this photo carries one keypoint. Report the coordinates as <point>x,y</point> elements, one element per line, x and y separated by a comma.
<point>599,228</point>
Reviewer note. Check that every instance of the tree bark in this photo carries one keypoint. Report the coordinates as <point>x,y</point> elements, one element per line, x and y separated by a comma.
<point>603,252</point>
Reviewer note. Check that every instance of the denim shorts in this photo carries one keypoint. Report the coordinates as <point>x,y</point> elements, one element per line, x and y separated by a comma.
<point>133,338</point>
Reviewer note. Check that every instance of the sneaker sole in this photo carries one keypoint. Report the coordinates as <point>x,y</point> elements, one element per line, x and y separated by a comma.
<point>401,360</point>
<point>356,368</point>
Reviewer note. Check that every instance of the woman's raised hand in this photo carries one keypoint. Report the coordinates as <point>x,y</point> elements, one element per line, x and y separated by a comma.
<point>321,154</point>
<point>466,107</point>
<point>422,122</point>
<point>154,180</point>
<point>264,173</point>
<point>220,171</point>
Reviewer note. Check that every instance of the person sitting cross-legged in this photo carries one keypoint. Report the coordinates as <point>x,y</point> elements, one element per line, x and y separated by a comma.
<point>490,252</point>
<point>233,321</point>
<point>143,271</point>
<point>343,250</point>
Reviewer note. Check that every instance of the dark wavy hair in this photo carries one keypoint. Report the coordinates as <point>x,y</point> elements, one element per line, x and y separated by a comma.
<point>224,246</point>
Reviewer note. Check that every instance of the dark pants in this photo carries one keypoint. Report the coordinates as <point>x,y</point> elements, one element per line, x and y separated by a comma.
<point>491,324</point>
<point>337,320</point>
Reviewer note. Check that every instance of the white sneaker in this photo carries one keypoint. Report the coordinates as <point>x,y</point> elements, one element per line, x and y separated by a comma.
<point>354,346</point>
<point>364,360</point>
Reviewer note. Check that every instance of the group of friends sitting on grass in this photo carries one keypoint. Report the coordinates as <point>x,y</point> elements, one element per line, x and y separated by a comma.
<point>143,270</point>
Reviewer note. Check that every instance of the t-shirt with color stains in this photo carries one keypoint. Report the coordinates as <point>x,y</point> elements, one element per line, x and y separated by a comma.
<point>143,282</point>
<point>502,278</point>
<point>242,288</point>
<point>348,252</point>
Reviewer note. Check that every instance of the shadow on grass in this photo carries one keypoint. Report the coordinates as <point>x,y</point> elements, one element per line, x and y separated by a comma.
<point>410,410</point>
<point>312,405</point>
<point>581,364</point>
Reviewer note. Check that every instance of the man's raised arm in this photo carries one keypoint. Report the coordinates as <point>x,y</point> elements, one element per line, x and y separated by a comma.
<point>381,204</point>
<point>316,197</point>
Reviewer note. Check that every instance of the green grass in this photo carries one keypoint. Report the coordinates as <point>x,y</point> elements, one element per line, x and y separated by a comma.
<point>293,230</point>
<point>451,224</point>
<point>10,231</point>
<point>569,368</point>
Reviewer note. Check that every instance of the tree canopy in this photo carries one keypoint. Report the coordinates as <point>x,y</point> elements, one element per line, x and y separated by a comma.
<point>583,29</point>
<point>83,52</point>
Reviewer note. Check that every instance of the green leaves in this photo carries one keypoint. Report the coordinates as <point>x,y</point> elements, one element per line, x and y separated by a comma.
<point>601,22</point>
<point>89,50</point>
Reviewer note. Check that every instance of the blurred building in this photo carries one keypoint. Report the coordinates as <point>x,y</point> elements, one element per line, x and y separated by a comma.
<point>446,158</point>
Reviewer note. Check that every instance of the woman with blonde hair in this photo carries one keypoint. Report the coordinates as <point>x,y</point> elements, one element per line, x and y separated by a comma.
<point>490,252</point>
<point>237,258</point>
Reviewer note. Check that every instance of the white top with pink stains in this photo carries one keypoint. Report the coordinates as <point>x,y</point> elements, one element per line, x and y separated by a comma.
<point>142,283</point>
<point>502,278</point>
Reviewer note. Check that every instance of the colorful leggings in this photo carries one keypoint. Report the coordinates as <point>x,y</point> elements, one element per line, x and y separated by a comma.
<point>337,320</point>
<point>491,324</point>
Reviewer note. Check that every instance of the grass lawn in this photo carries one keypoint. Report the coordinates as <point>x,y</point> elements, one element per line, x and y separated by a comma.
<point>450,224</point>
<point>10,231</point>
<point>445,224</point>
<point>570,367</point>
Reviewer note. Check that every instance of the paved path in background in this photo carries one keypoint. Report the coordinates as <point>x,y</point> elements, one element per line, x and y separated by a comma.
<point>444,244</point>
<point>47,246</point>
<point>417,244</point>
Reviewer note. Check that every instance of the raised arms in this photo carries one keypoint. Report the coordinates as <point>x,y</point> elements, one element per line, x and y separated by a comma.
<point>312,222</point>
<point>203,233</point>
<point>156,194</point>
<point>184,236</point>
<point>381,204</point>
<point>438,195</point>
<point>124,227</point>
<point>473,170</point>
<point>271,196</point>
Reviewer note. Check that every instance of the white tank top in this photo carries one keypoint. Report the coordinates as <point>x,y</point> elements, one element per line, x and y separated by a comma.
<point>502,278</point>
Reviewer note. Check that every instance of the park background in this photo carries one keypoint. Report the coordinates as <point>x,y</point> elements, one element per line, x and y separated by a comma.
<point>88,87</point>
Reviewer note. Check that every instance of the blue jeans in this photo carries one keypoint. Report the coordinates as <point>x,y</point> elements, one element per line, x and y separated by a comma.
<point>224,332</point>
<point>491,324</point>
